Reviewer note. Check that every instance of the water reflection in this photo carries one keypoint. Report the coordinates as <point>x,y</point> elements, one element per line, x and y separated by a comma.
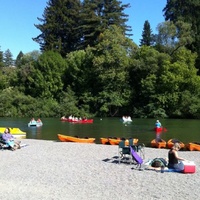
<point>35,132</point>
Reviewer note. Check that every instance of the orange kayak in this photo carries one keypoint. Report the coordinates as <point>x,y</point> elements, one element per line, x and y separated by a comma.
<point>158,143</point>
<point>170,143</point>
<point>117,141</point>
<point>104,140</point>
<point>65,138</point>
<point>193,146</point>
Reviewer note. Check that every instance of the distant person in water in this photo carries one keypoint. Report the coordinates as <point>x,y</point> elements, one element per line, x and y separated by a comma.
<point>158,124</point>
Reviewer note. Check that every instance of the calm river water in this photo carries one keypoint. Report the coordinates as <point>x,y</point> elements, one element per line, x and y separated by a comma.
<point>184,130</point>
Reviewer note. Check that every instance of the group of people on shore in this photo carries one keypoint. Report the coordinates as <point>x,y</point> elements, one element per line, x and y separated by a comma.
<point>9,140</point>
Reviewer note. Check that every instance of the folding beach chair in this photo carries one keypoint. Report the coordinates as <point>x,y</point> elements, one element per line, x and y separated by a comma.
<point>137,160</point>
<point>139,148</point>
<point>123,151</point>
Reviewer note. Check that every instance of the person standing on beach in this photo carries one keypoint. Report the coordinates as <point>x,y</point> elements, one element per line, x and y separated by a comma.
<point>174,161</point>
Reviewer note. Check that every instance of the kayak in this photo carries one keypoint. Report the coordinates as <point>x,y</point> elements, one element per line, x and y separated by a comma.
<point>170,143</point>
<point>193,146</point>
<point>158,143</point>
<point>160,129</point>
<point>66,138</point>
<point>116,141</point>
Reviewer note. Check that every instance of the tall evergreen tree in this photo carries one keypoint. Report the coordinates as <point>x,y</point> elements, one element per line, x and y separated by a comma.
<point>1,59</point>
<point>97,16</point>
<point>113,14</point>
<point>59,26</point>
<point>18,61</point>
<point>90,21</point>
<point>8,58</point>
<point>147,36</point>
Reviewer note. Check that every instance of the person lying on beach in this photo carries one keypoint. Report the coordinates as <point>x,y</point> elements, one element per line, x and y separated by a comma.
<point>10,140</point>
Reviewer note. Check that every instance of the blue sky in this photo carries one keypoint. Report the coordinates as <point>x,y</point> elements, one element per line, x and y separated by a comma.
<point>17,19</point>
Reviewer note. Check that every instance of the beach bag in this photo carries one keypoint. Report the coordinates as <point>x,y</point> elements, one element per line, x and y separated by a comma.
<point>158,162</point>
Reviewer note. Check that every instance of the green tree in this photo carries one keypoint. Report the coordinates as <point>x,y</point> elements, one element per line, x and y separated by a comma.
<point>111,65</point>
<point>146,66</point>
<point>8,58</point>
<point>1,58</point>
<point>59,26</point>
<point>97,16</point>
<point>172,36</point>
<point>165,88</point>
<point>18,61</point>
<point>46,78</point>
<point>188,12</point>
<point>147,36</point>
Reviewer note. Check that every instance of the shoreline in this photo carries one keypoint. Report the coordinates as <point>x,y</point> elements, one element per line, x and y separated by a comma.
<point>47,169</point>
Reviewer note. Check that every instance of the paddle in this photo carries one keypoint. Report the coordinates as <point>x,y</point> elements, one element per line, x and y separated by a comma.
<point>164,129</point>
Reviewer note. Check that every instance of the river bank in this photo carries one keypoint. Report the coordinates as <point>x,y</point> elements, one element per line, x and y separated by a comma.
<point>60,170</point>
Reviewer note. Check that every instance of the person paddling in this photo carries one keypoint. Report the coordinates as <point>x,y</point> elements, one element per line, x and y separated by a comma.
<point>158,124</point>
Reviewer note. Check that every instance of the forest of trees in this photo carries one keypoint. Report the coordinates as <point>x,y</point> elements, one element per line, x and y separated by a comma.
<point>89,66</point>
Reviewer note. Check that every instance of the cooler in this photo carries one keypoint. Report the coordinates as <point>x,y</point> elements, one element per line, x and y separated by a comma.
<point>189,167</point>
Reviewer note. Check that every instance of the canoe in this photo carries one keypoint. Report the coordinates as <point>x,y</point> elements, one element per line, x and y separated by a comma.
<point>65,138</point>
<point>170,143</point>
<point>116,141</point>
<point>35,124</point>
<point>82,121</point>
<point>158,143</point>
<point>193,146</point>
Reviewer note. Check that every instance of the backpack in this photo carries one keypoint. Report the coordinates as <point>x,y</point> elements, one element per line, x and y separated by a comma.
<point>158,162</point>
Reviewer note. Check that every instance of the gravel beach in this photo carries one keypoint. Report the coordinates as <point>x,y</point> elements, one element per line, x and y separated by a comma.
<point>60,171</point>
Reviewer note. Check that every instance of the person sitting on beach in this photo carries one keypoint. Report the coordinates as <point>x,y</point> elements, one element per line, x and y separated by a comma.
<point>158,124</point>
<point>9,140</point>
<point>174,161</point>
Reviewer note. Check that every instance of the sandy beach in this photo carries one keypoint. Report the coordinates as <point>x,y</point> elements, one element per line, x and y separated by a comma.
<point>59,170</point>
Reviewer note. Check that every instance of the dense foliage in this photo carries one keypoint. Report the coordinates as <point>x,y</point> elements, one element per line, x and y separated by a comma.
<point>89,67</point>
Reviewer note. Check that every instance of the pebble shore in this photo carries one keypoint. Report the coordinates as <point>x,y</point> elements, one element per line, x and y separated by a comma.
<point>52,170</point>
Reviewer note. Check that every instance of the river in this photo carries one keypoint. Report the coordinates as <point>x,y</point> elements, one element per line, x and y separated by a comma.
<point>185,130</point>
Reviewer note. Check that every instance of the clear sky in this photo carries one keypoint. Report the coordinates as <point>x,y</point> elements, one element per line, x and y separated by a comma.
<point>17,19</point>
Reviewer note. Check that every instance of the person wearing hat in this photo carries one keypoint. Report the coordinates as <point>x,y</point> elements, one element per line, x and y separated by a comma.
<point>174,161</point>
